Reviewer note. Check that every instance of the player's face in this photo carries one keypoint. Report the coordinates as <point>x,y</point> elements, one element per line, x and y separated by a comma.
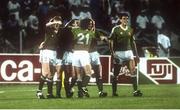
<point>75,23</point>
<point>56,26</point>
<point>124,20</point>
<point>90,26</point>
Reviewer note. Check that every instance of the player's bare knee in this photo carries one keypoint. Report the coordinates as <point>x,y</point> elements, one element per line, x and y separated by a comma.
<point>43,77</point>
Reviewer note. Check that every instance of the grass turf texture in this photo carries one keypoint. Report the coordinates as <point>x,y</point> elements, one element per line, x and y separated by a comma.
<point>154,97</point>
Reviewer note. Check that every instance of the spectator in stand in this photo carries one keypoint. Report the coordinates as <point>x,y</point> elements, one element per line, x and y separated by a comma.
<point>12,30</point>
<point>158,21</point>
<point>62,7</point>
<point>14,8</point>
<point>75,3</point>
<point>26,7</point>
<point>100,13</point>
<point>142,21</point>
<point>42,14</point>
<point>75,13</point>
<point>23,30</point>
<point>33,22</point>
<point>118,7</point>
<point>164,44</point>
<point>114,13</point>
<point>86,3</point>
<point>85,13</point>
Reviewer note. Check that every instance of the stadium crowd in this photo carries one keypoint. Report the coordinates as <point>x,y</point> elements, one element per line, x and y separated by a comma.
<point>24,20</point>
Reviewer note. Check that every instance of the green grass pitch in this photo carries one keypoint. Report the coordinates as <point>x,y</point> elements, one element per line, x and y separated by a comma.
<point>154,97</point>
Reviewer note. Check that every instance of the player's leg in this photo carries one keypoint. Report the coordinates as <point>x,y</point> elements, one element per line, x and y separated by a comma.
<point>78,71</point>
<point>85,79</point>
<point>86,70</point>
<point>82,68</point>
<point>115,79</point>
<point>98,75</point>
<point>59,81</point>
<point>96,66</point>
<point>133,74</point>
<point>43,78</point>
<point>131,66</point>
<point>73,79</point>
<point>96,69</point>
<point>50,82</point>
<point>41,82</point>
<point>117,60</point>
<point>87,75</point>
<point>39,92</point>
<point>68,72</point>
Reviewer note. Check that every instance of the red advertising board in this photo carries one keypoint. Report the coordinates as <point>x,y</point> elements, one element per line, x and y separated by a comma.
<point>25,68</point>
<point>160,70</point>
<point>19,68</point>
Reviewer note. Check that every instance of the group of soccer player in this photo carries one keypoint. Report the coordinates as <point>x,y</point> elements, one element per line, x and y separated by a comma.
<point>72,49</point>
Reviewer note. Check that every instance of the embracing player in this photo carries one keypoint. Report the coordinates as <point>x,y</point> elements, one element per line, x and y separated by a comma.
<point>48,56</point>
<point>95,56</point>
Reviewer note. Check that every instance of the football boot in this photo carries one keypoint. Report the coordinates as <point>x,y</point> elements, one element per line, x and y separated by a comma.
<point>137,93</point>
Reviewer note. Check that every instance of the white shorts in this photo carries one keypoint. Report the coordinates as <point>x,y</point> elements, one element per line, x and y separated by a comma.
<point>124,56</point>
<point>67,58</point>
<point>95,58</point>
<point>58,62</point>
<point>81,58</point>
<point>49,56</point>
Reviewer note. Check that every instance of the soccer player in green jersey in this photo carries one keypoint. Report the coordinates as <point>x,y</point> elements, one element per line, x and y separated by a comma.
<point>66,44</point>
<point>82,38</point>
<point>48,56</point>
<point>95,56</point>
<point>122,46</point>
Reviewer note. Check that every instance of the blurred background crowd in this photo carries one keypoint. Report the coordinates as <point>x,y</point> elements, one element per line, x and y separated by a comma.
<point>22,22</point>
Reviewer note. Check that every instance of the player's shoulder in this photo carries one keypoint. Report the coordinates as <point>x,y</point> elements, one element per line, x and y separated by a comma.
<point>130,28</point>
<point>115,28</point>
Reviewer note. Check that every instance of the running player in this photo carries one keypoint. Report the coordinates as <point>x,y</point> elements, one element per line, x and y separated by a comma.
<point>122,46</point>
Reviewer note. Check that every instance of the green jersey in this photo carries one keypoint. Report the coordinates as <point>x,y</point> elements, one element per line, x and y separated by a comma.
<point>51,40</point>
<point>82,39</point>
<point>96,39</point>
<point>122,39</point>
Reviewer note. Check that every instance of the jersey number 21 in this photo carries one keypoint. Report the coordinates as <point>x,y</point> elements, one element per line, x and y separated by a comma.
<point>83,39</point>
